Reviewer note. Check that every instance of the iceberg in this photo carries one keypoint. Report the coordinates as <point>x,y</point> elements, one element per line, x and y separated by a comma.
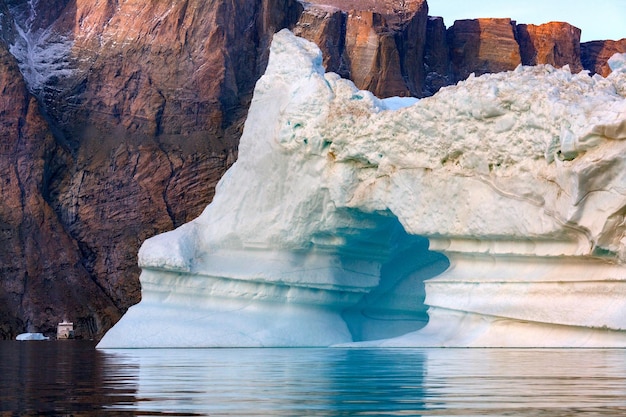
<point>31,336</point>
<point>492,214</point>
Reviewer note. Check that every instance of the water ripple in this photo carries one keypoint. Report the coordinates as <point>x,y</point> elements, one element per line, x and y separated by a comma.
<point>310,382</point>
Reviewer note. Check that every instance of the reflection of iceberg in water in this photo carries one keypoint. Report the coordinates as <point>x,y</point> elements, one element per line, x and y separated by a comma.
<point>276,382</point>
<point>524,382</point>
<point>341,215</point>
<point>342,382</point>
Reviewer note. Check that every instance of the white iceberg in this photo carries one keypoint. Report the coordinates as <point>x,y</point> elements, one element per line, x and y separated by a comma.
<point>31,336</point>
<point>491,214</point>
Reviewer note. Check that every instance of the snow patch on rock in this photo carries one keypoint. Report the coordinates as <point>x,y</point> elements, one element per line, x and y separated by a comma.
<point>43,54</point>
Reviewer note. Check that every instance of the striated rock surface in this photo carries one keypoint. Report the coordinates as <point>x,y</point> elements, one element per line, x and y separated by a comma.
<point>374,61</point>
<point>554,43</point>
<point>325,25</point>
<point>41,265</point>
<point>356,40</point>
<point>379,45</point>
<point>482,46</point>
<point>147,101</point>
<point>595,55</point>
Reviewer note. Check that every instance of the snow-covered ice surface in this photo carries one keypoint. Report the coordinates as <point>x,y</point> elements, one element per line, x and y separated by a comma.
<point>491,214</point>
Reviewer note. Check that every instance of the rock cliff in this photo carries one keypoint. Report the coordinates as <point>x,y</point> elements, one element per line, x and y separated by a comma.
<point>595,54</point>
<point>554,43</point>
<point>123,116</point>
<point>43,275</point>
<point>145,101</point>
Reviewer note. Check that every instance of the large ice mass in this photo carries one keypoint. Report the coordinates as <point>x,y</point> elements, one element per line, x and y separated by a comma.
<point>491,214</point>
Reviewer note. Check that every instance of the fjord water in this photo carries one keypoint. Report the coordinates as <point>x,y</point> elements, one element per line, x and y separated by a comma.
<point>73,378</point>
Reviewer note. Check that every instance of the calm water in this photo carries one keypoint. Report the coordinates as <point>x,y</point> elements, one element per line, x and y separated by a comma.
<point>72,378</point>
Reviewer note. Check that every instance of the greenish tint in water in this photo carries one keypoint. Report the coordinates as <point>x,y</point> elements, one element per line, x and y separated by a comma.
<point>73,378</point>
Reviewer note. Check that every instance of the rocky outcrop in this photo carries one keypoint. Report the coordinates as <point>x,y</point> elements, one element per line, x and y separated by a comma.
<point>438,72</point>
<point>379,45</point>
<point>595,54</point>
<point>374,60</point>
<point>481,46</point>
<point>554,43</point>
<point>326,27</point>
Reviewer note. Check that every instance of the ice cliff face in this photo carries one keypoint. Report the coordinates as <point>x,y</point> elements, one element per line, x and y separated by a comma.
<point>319,234</point>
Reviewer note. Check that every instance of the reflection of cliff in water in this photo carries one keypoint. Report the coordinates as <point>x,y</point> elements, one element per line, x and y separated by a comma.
<point>61,378</point>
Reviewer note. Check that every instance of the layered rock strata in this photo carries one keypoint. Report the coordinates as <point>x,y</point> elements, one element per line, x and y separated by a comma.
<point>392,51</point>
<point>595,55</point>
<point>379,45</point>
<point>481,46</point>
<point>554,43</point>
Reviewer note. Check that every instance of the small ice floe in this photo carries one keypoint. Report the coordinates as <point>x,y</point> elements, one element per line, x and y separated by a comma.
<point>31,336</point>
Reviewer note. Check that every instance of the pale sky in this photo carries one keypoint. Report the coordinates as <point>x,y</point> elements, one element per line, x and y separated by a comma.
<point>598,19</point>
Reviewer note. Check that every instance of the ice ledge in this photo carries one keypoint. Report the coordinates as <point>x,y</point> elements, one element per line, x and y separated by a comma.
<point>344,211</point>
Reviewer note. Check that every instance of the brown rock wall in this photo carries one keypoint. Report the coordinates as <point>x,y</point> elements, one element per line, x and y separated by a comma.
<point>149,119</point>
<point>43,279</point>
<point>436,57</point>
<point>372,55</point>
<point>326,27</point>
<point>595,54</point>
<point>482,46</point>
<point>554,43</point>
<point>411,43</point>
<point>379,45</point>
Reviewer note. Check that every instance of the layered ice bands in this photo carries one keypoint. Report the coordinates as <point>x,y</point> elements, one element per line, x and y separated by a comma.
<point>491,214</point>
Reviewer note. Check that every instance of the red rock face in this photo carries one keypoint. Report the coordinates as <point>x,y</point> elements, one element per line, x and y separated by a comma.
<point>381,48</point>
<point>595,54</point>
<point>326,27</point>
<point>373,59</point>
<point>481,46</point>
<point>554,43</point>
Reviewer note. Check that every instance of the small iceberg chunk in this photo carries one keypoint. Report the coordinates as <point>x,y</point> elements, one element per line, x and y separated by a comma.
<point>31,336</point>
